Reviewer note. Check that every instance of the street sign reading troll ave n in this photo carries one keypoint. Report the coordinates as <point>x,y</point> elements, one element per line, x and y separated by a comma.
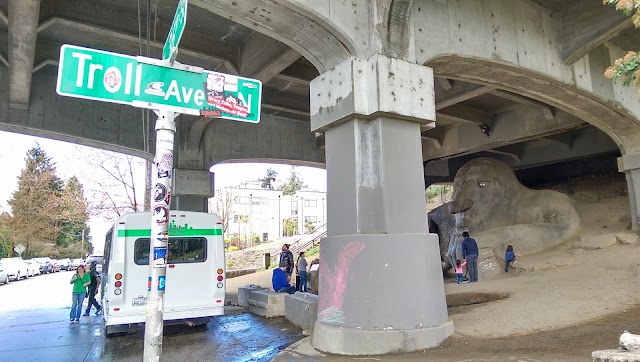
<point>149,83</point>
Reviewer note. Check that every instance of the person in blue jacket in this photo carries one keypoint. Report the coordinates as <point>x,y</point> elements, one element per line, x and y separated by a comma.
<point>279,280</point>
<point>509,257</point>
<point>470,254</point>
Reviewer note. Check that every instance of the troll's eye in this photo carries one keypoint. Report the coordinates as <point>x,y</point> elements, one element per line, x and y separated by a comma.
<point>482,183</point>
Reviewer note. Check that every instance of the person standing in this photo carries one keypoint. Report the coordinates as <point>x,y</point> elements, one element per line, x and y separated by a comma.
<point>80,281</point>
<point>302,271</point>
<point>92,290</point>
<point>459,272</point>
<point>470,254</point>
<point>286,257</point>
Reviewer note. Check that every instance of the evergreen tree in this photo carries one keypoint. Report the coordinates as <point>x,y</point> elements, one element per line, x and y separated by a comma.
<point>293,184</point>
<point>266,182</point>
<point>35,203</point>
<point>73,215</point>
<point>48,214</point>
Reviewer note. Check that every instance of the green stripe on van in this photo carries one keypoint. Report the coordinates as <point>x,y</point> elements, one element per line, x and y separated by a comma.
<point>175,232</point>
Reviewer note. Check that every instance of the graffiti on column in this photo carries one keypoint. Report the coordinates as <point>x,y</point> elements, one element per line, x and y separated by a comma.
<point>333,284</point>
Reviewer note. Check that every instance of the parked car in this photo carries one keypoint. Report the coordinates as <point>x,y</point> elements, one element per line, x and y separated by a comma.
<point>45,265</point>
<point>65,264</point>
<point>75,263</point>
<point>55,266</point>
<point>33,267</point>
<point>4,276</point>
<point>16,268</point>
<point>98,259</point>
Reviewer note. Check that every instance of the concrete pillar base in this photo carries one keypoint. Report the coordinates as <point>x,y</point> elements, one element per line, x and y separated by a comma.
<point>352,341</point>
<point>380,293</point>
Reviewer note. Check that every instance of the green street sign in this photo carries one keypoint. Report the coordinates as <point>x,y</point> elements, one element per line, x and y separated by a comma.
<point>170,49</point>
<point>150,83</point>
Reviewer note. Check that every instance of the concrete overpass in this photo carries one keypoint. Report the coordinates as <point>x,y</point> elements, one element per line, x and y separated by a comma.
<point>372,89</point>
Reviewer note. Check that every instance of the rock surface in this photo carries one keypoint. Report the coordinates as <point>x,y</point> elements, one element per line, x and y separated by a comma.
<point>599,242</point>
<point>627,238</point>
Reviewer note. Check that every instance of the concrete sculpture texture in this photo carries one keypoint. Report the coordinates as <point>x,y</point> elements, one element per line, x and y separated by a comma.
<point>497,210</point>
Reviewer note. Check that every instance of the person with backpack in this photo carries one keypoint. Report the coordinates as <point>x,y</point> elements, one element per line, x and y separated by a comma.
<point>92,290</point>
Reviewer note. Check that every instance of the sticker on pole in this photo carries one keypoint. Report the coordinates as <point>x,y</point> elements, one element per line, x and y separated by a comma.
<point>161,282</point>
<point>159,256</point>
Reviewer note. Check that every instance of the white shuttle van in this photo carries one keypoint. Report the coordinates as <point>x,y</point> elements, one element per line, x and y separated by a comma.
<point>195,280</point>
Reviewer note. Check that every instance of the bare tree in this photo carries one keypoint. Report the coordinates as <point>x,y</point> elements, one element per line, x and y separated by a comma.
<point>119,184</point>
<point>222,205</point>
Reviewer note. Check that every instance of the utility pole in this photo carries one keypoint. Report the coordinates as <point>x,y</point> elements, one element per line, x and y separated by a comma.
<point>279,220</point>
<point>159,240</point>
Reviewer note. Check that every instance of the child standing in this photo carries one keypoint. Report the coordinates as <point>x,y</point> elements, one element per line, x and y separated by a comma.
<point>509,257</point>
<point>459,271</point>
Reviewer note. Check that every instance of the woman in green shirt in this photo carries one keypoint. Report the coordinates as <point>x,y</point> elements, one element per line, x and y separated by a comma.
<point>80,280</point>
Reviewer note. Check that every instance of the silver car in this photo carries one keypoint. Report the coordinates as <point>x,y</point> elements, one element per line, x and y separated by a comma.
<point>4,276</point>
<point>16,268</point>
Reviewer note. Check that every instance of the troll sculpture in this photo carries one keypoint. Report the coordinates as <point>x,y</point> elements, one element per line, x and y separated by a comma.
<point>497,210</point>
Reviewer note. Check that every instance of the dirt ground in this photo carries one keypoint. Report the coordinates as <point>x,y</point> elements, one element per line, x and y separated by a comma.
<point>558,305</point>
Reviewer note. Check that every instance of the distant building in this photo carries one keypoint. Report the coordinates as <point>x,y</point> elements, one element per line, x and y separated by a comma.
<point>254,211</point>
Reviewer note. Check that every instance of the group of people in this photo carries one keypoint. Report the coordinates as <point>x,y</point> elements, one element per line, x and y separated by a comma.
<point>470,260</point>
<point>281,279</point>
<point>84,285</point>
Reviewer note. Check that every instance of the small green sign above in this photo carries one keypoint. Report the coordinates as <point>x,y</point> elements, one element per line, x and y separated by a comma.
<point>170,49</point>
<point>148,83</point>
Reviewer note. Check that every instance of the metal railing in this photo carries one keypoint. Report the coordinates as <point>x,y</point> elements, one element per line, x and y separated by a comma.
<point>302,245</point>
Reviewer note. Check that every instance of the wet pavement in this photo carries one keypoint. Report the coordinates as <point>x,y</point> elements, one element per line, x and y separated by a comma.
<point>34,326</point>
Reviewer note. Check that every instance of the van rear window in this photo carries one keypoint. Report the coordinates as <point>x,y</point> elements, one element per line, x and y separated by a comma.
<point>181,250</point>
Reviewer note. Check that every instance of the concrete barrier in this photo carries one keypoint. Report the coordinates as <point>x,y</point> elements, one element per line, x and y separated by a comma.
<point>266,303</point>
<point>243,293</point>
<point>301,309</point>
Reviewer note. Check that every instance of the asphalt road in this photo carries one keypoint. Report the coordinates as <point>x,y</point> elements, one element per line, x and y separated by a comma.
<point>34,326</point>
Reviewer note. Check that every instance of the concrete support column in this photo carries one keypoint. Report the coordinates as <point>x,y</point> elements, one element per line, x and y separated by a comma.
<point>23,30</point>
<point>191,190</point>
<point>630,165</point>
<point>371,111</point>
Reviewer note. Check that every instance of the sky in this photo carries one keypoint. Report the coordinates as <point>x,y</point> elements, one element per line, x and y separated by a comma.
<point>71,160</point>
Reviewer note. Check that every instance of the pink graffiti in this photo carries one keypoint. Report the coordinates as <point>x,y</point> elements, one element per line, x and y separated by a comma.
<point>333,282</point>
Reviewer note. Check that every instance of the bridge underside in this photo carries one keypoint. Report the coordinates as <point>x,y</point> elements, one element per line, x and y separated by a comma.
<point>389,95</point>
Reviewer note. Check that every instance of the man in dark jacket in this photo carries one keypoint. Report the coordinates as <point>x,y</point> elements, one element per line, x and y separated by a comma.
<point>92,290</point>
<point>470,253</point>
<point>286,257</point>
<point>279,280</point>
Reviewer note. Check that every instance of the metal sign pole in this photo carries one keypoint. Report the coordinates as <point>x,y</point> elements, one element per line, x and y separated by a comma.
<point>159,239</point>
